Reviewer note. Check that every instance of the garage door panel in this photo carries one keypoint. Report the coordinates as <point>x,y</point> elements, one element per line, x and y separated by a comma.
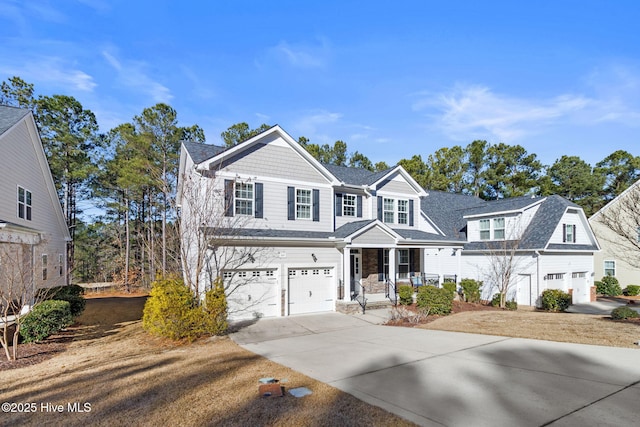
<point>310,290</point>
<point>253,294</point>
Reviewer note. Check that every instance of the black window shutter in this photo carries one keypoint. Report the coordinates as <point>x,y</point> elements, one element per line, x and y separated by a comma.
<point>259,206</point>
<point>291,203</point>
<point>380,265</point>
<point>338,204</point>
<point>564,233</point>
<point>359,206</point>
<point>380,208</point>
<point>574,233</point>
<point>228,197</point>
<point>316,205</point>
<point>411,213</point>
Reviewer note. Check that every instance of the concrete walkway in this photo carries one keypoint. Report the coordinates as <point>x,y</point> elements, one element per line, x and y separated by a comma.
<point>439,378</point>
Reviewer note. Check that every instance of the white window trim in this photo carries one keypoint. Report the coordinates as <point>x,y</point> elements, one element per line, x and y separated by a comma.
<point>404,211</point>
<point>310,204</point>
<point>604,267</point>
<point>487,230</point>
<point>504,228</point>
<point>27,207</point>
<point>566,234</point>
<point>386,211</point>
<point>352,204</point>
<point>250,201</point>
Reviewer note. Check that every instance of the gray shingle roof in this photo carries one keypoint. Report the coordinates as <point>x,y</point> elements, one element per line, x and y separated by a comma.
<point>201,152</point>
<point>422,235</point>
<point>355,176</point>
<point>503,205</point>
<point>272,233</point>
<point>351,227</point>
<point>446,210</point>
<point>544,223</point>
<point>9,116</point>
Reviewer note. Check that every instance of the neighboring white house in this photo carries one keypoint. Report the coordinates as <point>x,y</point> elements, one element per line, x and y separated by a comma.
<point>617,227</point>
<point>291,235</point>
<point>33,231</point>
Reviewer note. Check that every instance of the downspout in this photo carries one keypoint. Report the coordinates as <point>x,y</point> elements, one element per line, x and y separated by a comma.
<point>537,252</point>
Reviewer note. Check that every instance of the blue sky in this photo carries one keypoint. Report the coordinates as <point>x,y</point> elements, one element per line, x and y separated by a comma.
<point>392,79</point>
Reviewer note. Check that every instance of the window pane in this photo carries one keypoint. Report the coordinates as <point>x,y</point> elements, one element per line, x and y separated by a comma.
<point>388,208</point>
<point>485,229</point>
<point>244,198</point>
<point>28,197</point>
<point>349,205</point>
<point>402,211</point>
<point>303,204</point>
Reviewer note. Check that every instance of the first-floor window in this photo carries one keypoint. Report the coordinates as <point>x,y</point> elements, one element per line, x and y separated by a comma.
<point>403,263</point>
<point>485,229</point>
<point>244,198</point>
<point>403,211</point>
<point>388,210</point>
<point>349,205</point>
<point>609,268</point>
<point>60,265</point>
<point>303,204</point>
<point>44,267</point>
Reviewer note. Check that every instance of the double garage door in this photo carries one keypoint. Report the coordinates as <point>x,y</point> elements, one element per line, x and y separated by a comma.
<point>257,293</point>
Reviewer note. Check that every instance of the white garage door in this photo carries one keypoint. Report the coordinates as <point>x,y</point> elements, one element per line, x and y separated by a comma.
<point>252,293</point>
<point>311,290</point>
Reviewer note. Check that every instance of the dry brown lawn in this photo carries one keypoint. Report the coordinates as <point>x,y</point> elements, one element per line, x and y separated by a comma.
<point>528,323</point>
<point>129,378</point>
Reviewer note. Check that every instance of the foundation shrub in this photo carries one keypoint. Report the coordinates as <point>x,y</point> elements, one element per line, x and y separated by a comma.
<point>608,286</point>
<point>471,290</point>
<point>47,318</point>
<point>438,301</point>
<point>632,290</point>
<point>451,287</point>
<point>555,300</point>
<point>621,313</point>
<point>405,294</point>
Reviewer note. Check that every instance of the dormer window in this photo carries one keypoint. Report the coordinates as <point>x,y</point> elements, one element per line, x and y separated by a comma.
<point>485,229</point>
<point>568,233</point>
<point>498,228</point>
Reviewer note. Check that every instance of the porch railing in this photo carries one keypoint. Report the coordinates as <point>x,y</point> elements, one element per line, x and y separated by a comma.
<point>391,291</point>
<point>361,298</point>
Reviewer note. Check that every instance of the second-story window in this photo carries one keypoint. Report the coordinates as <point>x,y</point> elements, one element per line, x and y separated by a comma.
<point>244,198</point>
<point>24,204</point>
<point>485,229</point>
<point>403,211</point>
<point>388,211</point>
<point>568,233</point>
<point>348,205</point>
<point>498,228</point>
<point>303,204</point>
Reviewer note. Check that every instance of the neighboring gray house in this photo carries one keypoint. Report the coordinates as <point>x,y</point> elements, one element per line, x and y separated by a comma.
<point>33,231</point>
<point>291,235</point>
<point>617,226</point>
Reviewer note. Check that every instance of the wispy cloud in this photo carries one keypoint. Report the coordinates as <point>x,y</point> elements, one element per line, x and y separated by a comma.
<point>302,55</point>
<point>52,70</point>
<point>132,74</point>
<point>316,124</point>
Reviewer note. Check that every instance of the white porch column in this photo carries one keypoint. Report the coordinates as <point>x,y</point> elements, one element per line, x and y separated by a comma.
<point>346,273</point>
<point>392,265</point>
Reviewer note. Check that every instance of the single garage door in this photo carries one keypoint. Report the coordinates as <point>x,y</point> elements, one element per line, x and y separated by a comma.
<point>311,290</point>
<point>252,293</point>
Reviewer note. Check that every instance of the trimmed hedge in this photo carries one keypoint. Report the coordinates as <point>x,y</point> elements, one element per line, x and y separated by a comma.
<point>555,300</point>
<point>608,286</point>
<point>633,290</point>
<point>46,318</point>
<point>71,293</point>
<point>436,300</point>
<point>171,311</point>
<point>471,290</point>
<point>451,287</point>
<point>621,313</point>
<point>405,294</point>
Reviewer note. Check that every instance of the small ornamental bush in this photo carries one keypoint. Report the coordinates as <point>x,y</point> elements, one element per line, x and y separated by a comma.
<point>471,290</point>
<point>171,311</point>
<point>437,300</point>
<point>509,305</point>
<point>46,318</point>
<point>633,290</point>
<point>622,313</point>
<point>608,286</point>
<point>405,293</point>
<point>451,287</point>
<point>495,301</point>
<point>71,293</point>
<point>555,300</point>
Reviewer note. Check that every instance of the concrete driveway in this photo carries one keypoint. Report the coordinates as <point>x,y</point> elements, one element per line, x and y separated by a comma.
<point>445,378</point>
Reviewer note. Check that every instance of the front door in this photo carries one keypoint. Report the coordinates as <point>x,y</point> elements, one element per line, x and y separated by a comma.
<point>524,293</point>
<point>356,273</point>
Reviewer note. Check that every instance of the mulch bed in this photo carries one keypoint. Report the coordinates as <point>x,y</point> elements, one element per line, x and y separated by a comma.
<point>457,307</point>
<point>34,353</point>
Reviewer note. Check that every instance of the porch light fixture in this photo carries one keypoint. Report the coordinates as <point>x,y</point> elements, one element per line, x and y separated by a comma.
<point>315,259</point>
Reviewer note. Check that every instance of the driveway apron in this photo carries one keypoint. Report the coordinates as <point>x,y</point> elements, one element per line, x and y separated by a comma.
<point>436,378</point>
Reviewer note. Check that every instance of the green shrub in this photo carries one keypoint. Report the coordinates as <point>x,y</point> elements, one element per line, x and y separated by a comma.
<point>633,290</point>
<point>495,301</point>
<point>471,290</point>
<point>46,318</point>
<point>621,313</point>
<point>509,305</point>
<point>171,311</point>
<point>436,300</point>
<point>451,287</point>
<point>405,293</point>
<point>608,286</point>
<point>555,300</point>
<point>71,293</point>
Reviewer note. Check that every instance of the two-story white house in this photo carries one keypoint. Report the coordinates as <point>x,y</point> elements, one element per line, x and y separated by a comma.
<point>290,235</point>
<point>33,231</point>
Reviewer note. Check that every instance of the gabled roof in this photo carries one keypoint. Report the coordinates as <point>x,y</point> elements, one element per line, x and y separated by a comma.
<point>513,204</point>
<point>447,210</point>
<point>9,116</point>
<point>616,199</point>
<point>355,176</point>
<point>201,152</point>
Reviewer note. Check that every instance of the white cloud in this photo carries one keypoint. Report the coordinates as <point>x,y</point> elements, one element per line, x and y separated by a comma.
<point>132,74</point>
<point>52,70</point>
<point>302,55</point>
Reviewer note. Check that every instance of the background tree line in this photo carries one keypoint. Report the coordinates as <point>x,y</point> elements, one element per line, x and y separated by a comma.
<point>130,174</point>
